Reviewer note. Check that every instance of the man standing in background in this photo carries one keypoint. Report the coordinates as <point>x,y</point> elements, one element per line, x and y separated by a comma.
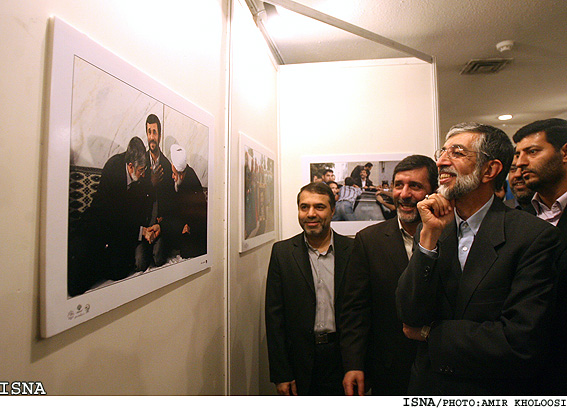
<point>303,290</point>
<point>375,351</point>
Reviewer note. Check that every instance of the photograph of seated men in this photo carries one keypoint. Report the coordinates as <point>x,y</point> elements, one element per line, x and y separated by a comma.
<point>146,212</point>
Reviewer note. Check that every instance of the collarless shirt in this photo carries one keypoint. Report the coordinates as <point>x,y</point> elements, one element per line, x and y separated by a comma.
<point>467,230</point>
<point>323,270</point>
<point>407,238</point>
<point>545,213</point>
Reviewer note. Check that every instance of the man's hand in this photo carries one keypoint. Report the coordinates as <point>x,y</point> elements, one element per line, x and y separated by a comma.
<point>436,213</point>
<point>353,383</point>
<point>287,388</point>
<point>157,175</point>
<point>152,233</point>
<point>413,333</point>
<point>186,229</point>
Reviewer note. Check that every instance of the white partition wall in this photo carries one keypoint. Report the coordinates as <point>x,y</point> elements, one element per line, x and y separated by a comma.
<point>253,113</point>
<point>352,108</point>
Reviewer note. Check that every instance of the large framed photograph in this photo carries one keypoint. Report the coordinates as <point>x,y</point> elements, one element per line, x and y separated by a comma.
<point>365,179</point>
<point>257,192</point>
<point>127,184</point>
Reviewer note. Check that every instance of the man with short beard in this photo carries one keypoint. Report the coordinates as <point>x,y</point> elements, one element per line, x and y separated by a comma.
<point>375,351</point>
<point>303,290</point>
<point>478,291</point>
<point>522,193</point>
<point>541,149</point>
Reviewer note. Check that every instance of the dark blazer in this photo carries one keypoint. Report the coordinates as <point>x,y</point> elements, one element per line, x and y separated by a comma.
<point>290,308</point>
<point>163,191</point>
<point>513,203</point>
<point>490,322</point>
<point>371,334</point>
<point>103,246</point>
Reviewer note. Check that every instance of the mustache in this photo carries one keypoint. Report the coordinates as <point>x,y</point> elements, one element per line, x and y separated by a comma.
<point>448,169</point>
<point>406,203</point>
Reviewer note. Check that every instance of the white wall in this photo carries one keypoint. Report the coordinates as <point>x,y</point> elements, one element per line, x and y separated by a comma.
<point>352,108</point>
<point>172,340</point>
<point>253,112</point>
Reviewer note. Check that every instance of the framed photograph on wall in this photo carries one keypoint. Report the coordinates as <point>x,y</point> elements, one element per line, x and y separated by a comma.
<point>257,194</point>
<point>127,184</point>
<point>372,173</point>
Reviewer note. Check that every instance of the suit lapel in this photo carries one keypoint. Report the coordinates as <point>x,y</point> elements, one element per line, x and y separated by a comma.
<point>341,259</point>
<point>302,260</point>
<point>482,255</point>
<point>395,243</point>
<point>449,268</point>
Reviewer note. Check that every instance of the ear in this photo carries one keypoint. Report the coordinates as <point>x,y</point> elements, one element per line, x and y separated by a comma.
<point>492,169</point>
<point>563,152</point>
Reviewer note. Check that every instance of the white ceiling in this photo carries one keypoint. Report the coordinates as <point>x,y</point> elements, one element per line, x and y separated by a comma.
<point>532,87</point>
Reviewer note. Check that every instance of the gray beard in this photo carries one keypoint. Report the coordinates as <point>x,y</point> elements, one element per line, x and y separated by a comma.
<point>463,186</point>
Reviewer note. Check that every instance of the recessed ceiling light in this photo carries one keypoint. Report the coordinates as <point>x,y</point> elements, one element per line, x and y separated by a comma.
<point>505,117</point>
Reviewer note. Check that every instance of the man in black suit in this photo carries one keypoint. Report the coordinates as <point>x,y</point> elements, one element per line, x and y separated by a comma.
<point>303,300</point>
<point>478,291</point>
<point>161,181</point>
<point>541,149</point>
<point>374,349</point>
<point>115,226</point>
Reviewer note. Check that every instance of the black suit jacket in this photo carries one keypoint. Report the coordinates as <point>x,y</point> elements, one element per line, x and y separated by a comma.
<point>290,308</point>
<point>490,322</point>
<point>371,333</point>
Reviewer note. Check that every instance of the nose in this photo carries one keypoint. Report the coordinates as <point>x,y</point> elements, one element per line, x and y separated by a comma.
<point>443,160</point>
<point>522,160</point>
<point>311,212</point>
<point>406,192</point>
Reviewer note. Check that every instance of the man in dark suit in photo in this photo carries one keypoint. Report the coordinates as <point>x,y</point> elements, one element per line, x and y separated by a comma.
<point>374,349</point>
<point>303,300</point>
<point>161,181</point>
<point>115,226</point>
<point>478,291</point>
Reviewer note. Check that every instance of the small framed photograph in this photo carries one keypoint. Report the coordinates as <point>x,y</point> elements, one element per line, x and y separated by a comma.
<point>257,194</point>
<point>371,174</point>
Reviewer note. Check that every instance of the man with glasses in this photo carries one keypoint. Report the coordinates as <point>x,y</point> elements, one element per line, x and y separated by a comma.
<point>478,289</point>
<point>113,227</point>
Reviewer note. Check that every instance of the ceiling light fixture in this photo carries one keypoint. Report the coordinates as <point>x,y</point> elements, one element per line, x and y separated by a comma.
<point>505,117</point>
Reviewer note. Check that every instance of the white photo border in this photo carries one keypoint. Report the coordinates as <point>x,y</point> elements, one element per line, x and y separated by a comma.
<point>348,228</point>
<point>251,243</point>
<point>60,312</point>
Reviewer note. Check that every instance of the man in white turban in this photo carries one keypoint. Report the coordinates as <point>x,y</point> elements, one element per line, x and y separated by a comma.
<point>185,225</point>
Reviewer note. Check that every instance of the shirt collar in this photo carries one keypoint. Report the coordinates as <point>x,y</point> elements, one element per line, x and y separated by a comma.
<point>559,204</point>
<point>404,232</point>
<point>309,247</point>
<point>476,219</point>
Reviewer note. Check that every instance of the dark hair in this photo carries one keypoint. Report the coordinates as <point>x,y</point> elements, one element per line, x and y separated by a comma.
<point>417,162</point>
<point>319,188</point>
<point>153,119</point>
<point>369,165</point>
<point>492,144</point>
<point>349,181</point>
<point>136,152</point>
<point>327,171</point>
<point>555,131</point>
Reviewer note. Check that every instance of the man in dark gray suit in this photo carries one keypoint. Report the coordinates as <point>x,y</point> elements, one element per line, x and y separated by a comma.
<point>374,349</point>
<point>478,291</point>
<point>303,300</point>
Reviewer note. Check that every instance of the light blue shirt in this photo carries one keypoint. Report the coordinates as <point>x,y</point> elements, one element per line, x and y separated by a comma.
<point>467,230</point>
<point>466,233</point>
<point>323,270</point>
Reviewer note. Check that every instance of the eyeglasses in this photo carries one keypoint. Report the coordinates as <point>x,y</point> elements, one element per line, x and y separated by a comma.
<point>456,152</point>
